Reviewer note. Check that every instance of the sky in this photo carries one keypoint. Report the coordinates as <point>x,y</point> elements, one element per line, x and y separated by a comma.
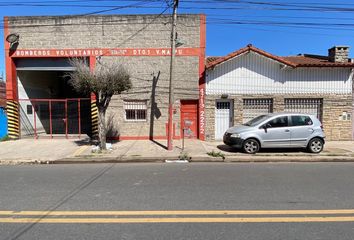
<point>281,27</point>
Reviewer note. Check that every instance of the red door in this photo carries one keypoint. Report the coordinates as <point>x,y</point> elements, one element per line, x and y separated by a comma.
<point>189,118</point>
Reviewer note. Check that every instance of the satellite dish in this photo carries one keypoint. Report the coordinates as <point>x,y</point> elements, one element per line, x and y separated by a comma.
<point>12,38</point>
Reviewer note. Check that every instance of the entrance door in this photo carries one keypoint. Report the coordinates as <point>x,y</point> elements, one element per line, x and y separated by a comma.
<point>189,118</point>
<point>223,117</point>
<point>58,117</point>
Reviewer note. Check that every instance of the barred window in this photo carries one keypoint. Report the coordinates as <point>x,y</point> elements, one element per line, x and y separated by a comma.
<point>255,107</point>
<point>311,106</point>
<point>135,110</point>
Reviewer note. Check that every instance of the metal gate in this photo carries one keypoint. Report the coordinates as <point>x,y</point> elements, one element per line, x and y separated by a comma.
<point>223,117</point>
<point>255,107</point>
<point>311,106</point>
<point>54,117</point>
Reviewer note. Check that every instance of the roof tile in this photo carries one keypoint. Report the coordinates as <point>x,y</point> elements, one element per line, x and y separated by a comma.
<point>306,60</point>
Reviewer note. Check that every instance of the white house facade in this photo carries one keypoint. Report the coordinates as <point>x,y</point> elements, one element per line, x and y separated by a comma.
<point>250,81</point>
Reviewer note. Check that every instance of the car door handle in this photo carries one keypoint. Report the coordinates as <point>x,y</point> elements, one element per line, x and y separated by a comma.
<point>287,130</point>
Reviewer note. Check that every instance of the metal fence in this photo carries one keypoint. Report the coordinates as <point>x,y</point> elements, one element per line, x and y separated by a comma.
<point>55,117</point>
<point>313,106</point>
<point>255,107</point>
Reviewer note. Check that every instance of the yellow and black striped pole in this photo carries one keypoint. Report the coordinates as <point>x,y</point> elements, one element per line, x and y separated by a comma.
<point>13,124</point>
<point>94,119</point>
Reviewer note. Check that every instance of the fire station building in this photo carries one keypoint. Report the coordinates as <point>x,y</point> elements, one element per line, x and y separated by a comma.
<point>42,103</point>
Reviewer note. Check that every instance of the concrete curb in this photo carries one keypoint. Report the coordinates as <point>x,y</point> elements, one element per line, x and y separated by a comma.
<point>23,161</point>
<point>109,160</point>
<point>240,159</point>
<point>195,159</point>
<point>291,159</point>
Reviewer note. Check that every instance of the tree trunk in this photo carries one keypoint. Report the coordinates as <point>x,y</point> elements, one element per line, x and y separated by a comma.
<point>102,127</point>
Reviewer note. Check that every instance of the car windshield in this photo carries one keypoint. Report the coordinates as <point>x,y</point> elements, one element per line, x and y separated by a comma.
<point>257,120</point>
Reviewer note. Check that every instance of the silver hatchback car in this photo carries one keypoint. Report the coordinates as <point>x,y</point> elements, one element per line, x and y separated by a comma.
<point>278,130</point>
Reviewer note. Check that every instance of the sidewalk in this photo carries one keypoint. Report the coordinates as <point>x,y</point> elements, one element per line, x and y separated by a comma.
<point>80,151</point>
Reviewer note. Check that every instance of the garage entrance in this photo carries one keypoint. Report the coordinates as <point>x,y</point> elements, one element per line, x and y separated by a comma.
<point>55,117</point>
<point>48,104</point>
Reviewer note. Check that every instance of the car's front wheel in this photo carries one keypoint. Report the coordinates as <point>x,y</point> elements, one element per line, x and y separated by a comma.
<point>315,145</point>
<point>251,146</point>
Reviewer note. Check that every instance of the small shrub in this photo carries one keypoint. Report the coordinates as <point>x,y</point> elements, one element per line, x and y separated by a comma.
<point>184,156</point>
<point>216,154</point>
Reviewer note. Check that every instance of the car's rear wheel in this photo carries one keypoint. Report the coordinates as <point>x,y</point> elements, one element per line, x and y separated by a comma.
<point>315,145</point>
<point>251,146</point>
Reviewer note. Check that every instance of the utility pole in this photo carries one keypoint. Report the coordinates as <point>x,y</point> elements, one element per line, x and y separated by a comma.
<point>171,98</point>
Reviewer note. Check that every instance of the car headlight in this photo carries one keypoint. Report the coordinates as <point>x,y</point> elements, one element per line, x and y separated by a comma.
<point>235,135</point>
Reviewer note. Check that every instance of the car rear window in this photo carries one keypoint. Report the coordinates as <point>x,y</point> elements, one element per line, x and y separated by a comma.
<point>301,120</point>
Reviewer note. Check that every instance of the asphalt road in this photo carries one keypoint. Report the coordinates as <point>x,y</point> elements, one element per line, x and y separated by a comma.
<point>120,201</point>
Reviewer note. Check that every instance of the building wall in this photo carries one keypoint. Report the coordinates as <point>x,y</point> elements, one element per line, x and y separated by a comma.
<point>334,126</point>
<point>254,76</point>
<point>98,31</point>
<point>253,73</point>
<point>150,70</point>
<point>126,32</point>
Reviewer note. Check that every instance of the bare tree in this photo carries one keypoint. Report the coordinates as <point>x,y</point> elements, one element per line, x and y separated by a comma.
<point>104,81</point>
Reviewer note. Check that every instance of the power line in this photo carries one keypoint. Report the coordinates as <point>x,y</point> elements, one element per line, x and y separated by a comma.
<point>116,8</point>
<point>211,21</point>
<point>240,5</point>
<point>212,5</point>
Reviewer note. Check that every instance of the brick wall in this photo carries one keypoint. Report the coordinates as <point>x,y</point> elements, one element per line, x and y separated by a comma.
<point>333,106</point>
<point>103,31</point>
<point>186,87</point>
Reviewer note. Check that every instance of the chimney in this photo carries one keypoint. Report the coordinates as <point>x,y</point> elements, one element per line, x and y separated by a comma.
<point>339,54</point>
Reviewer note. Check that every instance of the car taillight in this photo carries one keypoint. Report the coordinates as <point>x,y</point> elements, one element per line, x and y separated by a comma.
<point>321,126</point>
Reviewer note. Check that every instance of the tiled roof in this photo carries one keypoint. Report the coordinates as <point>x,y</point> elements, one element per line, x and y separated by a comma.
<point>247,49</point>
<point>211,59</point>
<point>292,61</point>
<point>315,61</point>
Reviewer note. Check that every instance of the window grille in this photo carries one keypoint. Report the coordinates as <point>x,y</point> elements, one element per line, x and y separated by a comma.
<point>255,107</point>
<point>135,110</point>
<point>223,105</point>
<point>311,106</point>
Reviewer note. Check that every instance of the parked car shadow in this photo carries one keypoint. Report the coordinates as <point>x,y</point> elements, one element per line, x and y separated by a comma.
<point>227,148</point>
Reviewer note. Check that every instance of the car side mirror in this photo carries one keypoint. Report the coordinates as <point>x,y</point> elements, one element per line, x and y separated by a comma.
<point>266,126</point>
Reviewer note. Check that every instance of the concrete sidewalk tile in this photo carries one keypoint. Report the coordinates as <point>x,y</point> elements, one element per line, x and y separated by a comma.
<point>63,150</point>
